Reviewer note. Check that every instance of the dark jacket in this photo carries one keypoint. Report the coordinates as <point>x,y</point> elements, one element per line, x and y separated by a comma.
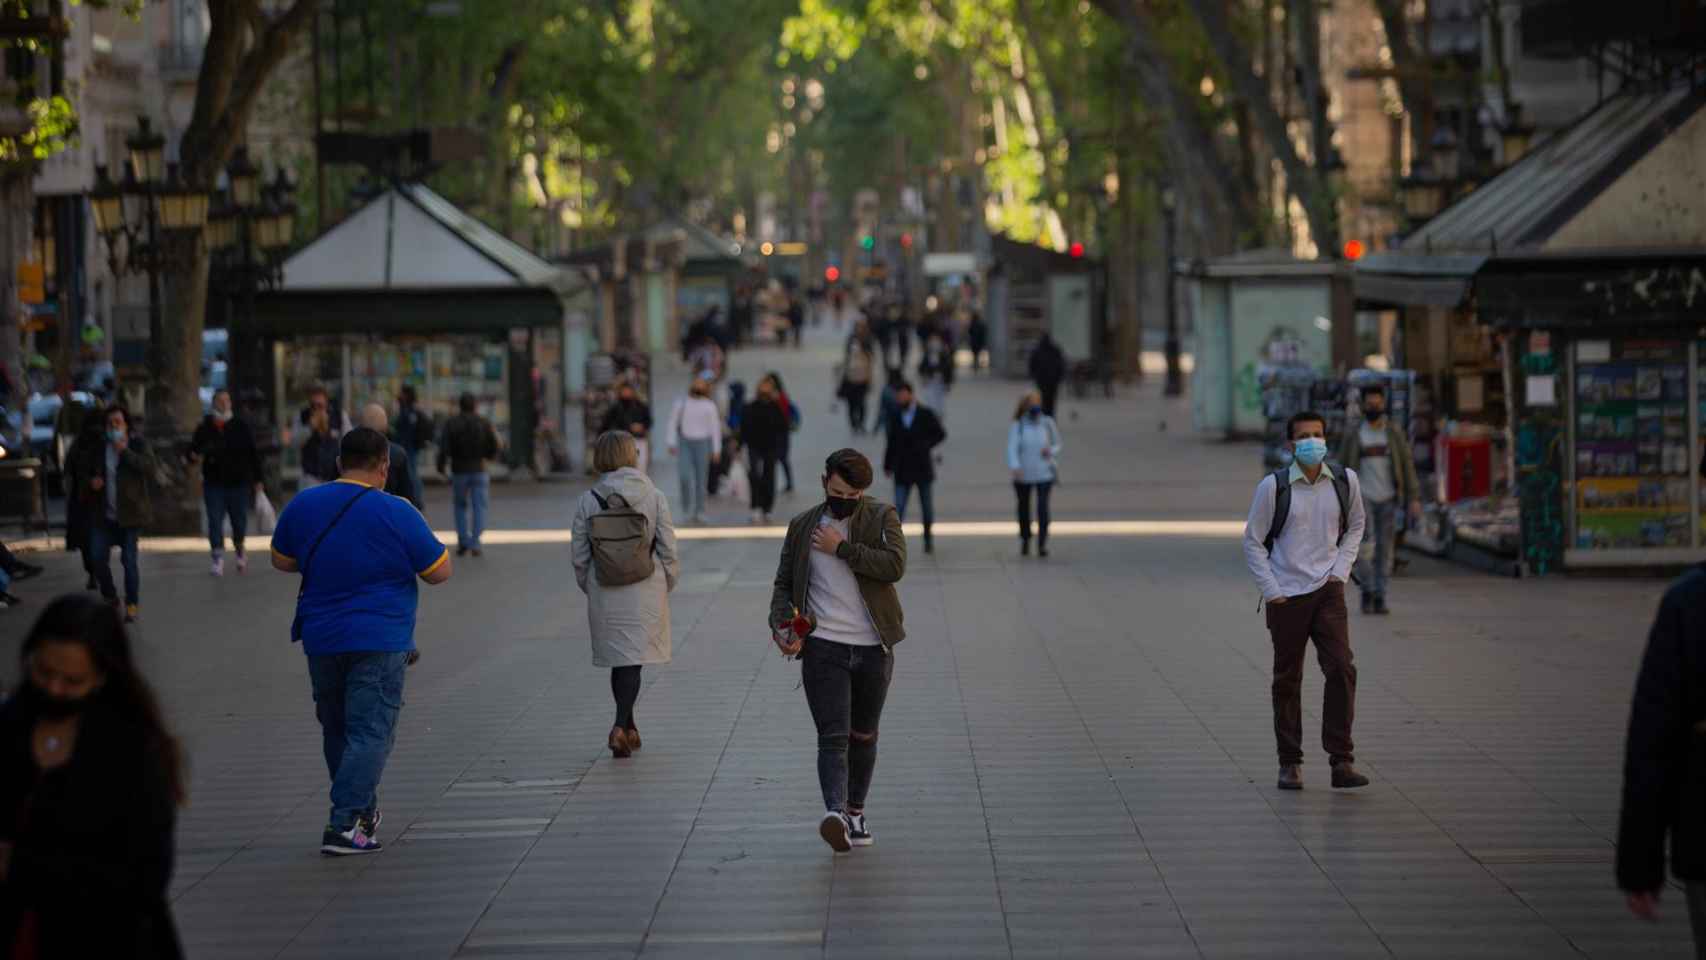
<point>1048,364</point>
<point>135,482</point>
<point>1664,766</point>
<point>764,428</point>
<point>320,456</point>
<point>400,482</point>
<point>1404,480</point>
<point>875,549</point>
<point>79,506</point>
<point>942,366</point>
<point>91,841</point>
<point>412,429</point>
<point>229,457</point>
<point>623,414</point>
<point>469,441</point>
<point>908,456</point>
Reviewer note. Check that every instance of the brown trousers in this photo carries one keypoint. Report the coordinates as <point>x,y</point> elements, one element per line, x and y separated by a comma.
<point>1318,616</point>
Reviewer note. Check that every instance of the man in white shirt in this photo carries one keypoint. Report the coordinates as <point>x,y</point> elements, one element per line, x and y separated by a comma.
<point>1301,568</point>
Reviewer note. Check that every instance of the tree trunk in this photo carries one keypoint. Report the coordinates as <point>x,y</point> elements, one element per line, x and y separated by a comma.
<point>1303,181</point>
<point>17,210</point>
<point>1410,64</point>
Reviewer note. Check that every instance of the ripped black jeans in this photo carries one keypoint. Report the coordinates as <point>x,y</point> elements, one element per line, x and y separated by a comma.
<point>845,688</point>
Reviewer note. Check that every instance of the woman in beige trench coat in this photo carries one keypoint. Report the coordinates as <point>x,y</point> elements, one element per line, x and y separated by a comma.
<point>630,624</point>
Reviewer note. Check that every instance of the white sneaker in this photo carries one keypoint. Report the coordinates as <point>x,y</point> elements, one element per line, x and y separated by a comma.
<point>833,828</point>
<point>757,517</point>
<point>242,563</point>
<point>218,566</point>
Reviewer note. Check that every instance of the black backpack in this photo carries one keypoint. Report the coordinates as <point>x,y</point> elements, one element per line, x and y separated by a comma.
<point>1282,503</point>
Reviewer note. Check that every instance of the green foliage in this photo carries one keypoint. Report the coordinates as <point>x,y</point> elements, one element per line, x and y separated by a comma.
<point>53,127</point>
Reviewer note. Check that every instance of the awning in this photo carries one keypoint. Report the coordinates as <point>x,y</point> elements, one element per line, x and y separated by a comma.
<point>1416,280</point>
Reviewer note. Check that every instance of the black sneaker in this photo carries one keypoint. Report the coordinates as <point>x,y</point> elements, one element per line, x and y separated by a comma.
<point>25,571</point>
<point>858,834</point>
<point>369,823</point>
<point>10,600</point>
<point>834,830</point>
<point>1380,607</point>
<point>1367,603</point>
<point>352,842</point>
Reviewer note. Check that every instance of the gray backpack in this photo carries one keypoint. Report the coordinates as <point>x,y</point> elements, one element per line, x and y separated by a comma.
<point>622,542</point>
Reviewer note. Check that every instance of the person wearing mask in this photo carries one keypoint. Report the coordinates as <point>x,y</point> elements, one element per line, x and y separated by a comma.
<point>360,555</point>
<point>90,784</point>
<point>1048,369</point>
<point>791,411</point>
<point>122,490</point>
<point>1300,542</point>
<point>400,480</point>
<point>633,416</point>
<point>319,400</point>
<point>627,609</point>
<point>936,373</point>
<point>319,452</point>
<point>764,434</point>
<point>1664,767</point>
<point>83,462</point>
<point>1379,451</point>
<point>230,478</point>
<point>413,432</point>
<point>469,441</point>
<point>858,365</point>
<point>835,606</point>
<point>695,437</point>
<point>1033,446</point>
<point>914,433</point>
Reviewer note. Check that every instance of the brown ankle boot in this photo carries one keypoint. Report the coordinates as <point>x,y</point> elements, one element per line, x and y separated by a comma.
<point>633,738</point>
<point>619,745</point>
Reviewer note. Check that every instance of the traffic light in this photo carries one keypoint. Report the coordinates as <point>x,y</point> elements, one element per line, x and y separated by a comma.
<point>868,242</point>
<point>832,274</point>
<point>1076,251</point>
<point>906,241</point>
<point>1354,249</point>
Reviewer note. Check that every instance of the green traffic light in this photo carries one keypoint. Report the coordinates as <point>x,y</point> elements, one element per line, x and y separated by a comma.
<point>868,242</point>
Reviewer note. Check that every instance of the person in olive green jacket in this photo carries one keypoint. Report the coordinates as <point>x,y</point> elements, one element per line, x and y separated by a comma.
<point>835,606</point>
<point>1379,451</point>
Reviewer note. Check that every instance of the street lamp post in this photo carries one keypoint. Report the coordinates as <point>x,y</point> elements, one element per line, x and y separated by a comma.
<point>1169,216</point>
<point>151,222</point>
<point>249,232</point>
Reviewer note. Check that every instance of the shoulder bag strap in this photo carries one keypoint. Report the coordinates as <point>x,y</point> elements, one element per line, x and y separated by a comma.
<point>302,565</point>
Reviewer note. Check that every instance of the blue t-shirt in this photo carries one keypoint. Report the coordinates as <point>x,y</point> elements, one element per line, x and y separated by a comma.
<point>361,584</point>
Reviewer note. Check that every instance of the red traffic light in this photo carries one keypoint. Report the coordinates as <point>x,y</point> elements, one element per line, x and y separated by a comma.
<point>1354,249</point>
<point>906,240</point>
<point>832,274</point>
<point>1076,250</point>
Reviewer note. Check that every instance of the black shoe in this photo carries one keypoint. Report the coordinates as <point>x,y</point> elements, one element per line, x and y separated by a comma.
<point>8,599</point>
<point>462,551</point>
<point>1380,606</point>
<point>1367,603</point>
<point>929,545</point>
<point>1346,777</point>
<point>477,552</point>
<point>351,842</point>
<point>1042,548</point>
<point>369,823</point>
<point>1024,548</point>
<point>25,571</point>
<point>92,584</point>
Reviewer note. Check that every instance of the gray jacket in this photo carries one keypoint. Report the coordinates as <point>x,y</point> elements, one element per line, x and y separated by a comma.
<point>630,624</point>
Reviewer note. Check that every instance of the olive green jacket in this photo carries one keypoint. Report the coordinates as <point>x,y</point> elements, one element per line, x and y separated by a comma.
<point>1408,487</point>
<point>875,549</point>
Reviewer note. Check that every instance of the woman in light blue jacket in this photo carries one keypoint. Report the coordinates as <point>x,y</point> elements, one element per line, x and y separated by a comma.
<point>1033,454</point>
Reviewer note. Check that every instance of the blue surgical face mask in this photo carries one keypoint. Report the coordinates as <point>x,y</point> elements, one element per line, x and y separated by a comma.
<point>1310,451</point>
<point>115,435</point>
<point>1035,411</point>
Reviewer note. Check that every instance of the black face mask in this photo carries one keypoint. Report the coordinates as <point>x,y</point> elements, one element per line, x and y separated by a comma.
<point>1376,414</point>
<point>36,703</point>
<point>841,507</point>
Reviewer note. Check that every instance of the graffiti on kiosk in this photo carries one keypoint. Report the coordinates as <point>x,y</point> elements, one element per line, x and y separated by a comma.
<point>1283,347</point>
<point>1539,489</point>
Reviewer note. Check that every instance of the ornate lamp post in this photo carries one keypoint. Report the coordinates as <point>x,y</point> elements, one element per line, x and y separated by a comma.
<point>151,222</point>
<point>1175,376</point>
<point>249,233</point>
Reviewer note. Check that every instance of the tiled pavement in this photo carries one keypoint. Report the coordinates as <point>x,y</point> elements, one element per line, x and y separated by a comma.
<point>1077,757</point>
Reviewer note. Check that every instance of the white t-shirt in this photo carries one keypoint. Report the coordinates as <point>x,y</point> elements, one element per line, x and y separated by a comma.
<point>1375,470</point>
<point>834,599</point>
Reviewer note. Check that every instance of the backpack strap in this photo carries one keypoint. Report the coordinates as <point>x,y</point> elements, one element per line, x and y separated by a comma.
<point>1282,507</point>
<point>1342,488</point>
<point>602,503</point>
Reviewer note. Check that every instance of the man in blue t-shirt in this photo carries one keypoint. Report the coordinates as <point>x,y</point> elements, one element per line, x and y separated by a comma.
<point>359,551</point>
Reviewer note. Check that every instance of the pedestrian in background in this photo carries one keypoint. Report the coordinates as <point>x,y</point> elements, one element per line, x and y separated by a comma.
<point>400,480</point>
<point>1048,369</point>
<point>90,784</point>
<point>360,554</point>
<point>320,400</point>
<point>83,463</point>
<point>936,373</point>
<point>914,433</point>
<point>977,339</point>
<point>764,434</point>
<point>1300,542</point>
<point>858,365</point>
<point>634,416</point>
<point>790,411</point>
<point>840,563</point>
<point>627,590</point>
<point>1379,451</point>
<point>231,475</point>
<point>469,441</point>
<point>695,436</point>
<point>319,452</point>
<point>796,318</point>
<point>413,432</point>
<point>1033,449</point>
<point>123,488</point>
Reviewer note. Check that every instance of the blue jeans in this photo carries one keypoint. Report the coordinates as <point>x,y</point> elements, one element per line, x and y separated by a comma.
<point>926,501</point>
<point>357,697</point>
<point>1374,567</point>
<point>104,534</point>
<point>466,487</point>
<point>415,471</point>
<point>695,467</point>
<point>225,502</point>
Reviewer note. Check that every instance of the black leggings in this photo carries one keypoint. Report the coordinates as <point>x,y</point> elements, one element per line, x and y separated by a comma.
<point>1023,490</point>
<point>625,685</point>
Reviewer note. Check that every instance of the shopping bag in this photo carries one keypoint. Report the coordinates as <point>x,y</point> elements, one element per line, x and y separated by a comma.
<point>266,518</point>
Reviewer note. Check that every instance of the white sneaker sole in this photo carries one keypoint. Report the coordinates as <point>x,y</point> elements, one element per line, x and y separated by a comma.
<point>864,841</point>
<point>833,830</point>
<point>332,850</point>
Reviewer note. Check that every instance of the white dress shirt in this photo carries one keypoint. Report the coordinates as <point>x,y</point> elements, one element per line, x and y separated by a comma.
<point>1308,551</point>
